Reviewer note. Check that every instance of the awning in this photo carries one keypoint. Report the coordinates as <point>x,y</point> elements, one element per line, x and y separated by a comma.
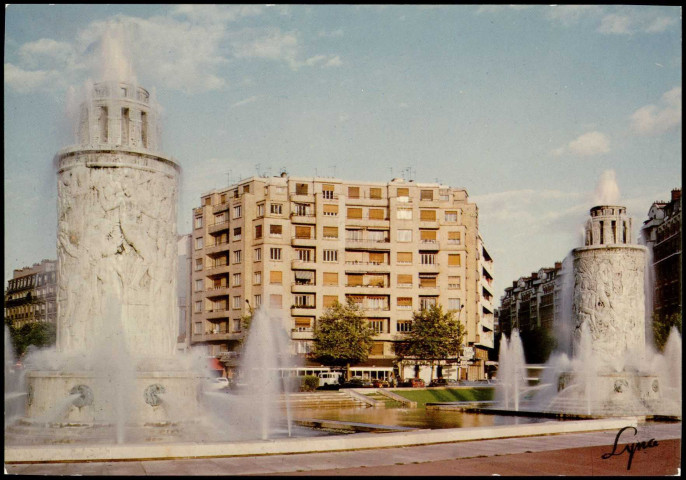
<point>215,364</point>
<point>304,274</point>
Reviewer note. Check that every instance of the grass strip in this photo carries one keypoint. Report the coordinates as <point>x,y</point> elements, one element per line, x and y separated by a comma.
<point>423,396</point>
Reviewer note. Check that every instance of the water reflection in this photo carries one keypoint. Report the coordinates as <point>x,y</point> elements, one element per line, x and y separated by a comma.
<point>411,417</point>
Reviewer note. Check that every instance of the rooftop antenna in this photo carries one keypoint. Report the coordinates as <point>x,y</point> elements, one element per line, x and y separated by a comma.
<point>228,178</point>
<point>334,171</point>
<point>257,169</point>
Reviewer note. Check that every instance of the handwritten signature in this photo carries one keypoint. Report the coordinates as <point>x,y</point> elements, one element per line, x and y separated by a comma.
<point>630,448</point>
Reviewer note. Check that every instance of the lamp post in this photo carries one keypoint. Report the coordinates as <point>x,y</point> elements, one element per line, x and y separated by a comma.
<point>459,348</point>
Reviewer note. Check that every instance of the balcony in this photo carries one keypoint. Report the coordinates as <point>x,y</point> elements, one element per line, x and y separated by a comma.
<point>217,269</point>
<point>365,200</point>
<point>371,267</point>
<point>302,287</point>
<point>366,221</point>
<point>217,313</point>
<point>303,242</point>
<point>299,197</point>
<point>221,207</point>
<point>302,334</point>
<point>365,244</point>
<point>429,245</point>
<point>302,310</point>
<point>428,267</point>
<point>218,227</point>
<point>365,289</point>
<point>219,336</point>
<point>302,264</point>
<point>308,218</point>
<point>217,247</point>
<point>217,291</point>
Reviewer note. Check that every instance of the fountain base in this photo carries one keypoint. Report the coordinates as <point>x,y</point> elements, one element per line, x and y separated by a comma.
<point>87,398</point>
<point>617,393</point>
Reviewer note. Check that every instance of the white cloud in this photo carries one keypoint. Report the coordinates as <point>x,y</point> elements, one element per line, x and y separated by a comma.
<point>655,120</point>
<point>617,24</point>
<point>245,101</point>
<point>631,21</point>
<point>334,61</point>
<point>571,14</point>
<point>588,144</point>
<point>25,81</point>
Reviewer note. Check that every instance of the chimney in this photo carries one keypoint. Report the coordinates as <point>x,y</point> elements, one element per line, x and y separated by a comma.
<point>676,194</point>
<point>558,265</point>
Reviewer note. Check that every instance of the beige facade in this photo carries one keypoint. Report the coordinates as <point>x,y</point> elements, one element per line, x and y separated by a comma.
<point>31,294</point>
<point>297,244</point>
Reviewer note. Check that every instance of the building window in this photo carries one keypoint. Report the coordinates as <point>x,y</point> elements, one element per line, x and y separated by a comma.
<point>275,254</point>
<point>427,215</point>
<point>404,258</point>
<point>199,243</point>
<point>198,306</point>
<point>237,325</point>
<point>327,192</point>
<point>404,279</point>
<point>276,277</point>
<point>427,302</point>
<point>257,301</point>
<point>275,230</point>
<point>377,214</point>
<point>404,303</point>
<point>330,232</point>
<point>220,218</point>
<point>302,209</point>
<point>301,189</point>
<point>237,256</point>
<point>454,304</point>
<point>353,192</point>
<point>304,300</point>
<point>260,209</point>
<point>404,214</point>
<point>275,208</point>
<point>451,216</point>
<point>330,210</point>
<point>236,279</point>
<point>329,300</point>
<point>330,278</point>
<point>258,231</point>
<point>238,211</point>
<point>257,278</point>
<point>331,255</point>
<point>275,301</point>
<point>198,264</point>
<point>197,328</point>
<point>404,235</point>
<point>377,325</point>
<point>198,222</point>
<point>237,233</point>
<point>354,212</point>
<point>375,193</point>
<point>454,260</point>
<point>426,195</point>
<point>304,232</point>
<point>427,236</point>
<point>453,282</point>
<point>304,254</point>
<point>403,194</point>
<point>428,281</point>
<point>427,258</point>
<point>404,326</point>
<point>198,285</point>
<point>454,238</point>
<point>236,302</point>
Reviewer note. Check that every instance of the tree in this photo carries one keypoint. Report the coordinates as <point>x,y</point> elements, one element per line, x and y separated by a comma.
<point>662,325</point>
<point>538,344</point>
<point>342,336</point>
<point>435,335</point>
<point>39,334</point>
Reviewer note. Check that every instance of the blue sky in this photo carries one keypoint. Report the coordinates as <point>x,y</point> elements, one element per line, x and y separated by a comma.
<point>537,111</point>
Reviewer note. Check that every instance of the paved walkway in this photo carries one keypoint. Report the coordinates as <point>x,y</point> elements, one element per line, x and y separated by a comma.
<point>565,454</point>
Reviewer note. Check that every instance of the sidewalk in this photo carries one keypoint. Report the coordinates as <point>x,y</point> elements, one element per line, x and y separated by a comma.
<point>565,454</point>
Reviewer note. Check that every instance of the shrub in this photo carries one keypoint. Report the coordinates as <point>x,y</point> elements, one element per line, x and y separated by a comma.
<point>309,383</point>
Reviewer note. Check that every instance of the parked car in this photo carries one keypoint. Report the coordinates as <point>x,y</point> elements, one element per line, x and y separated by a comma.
<point>379,383</point>
<point>414,383</point>
<point>444,382</point>
<point>329,378</point>
<point>219,383</point>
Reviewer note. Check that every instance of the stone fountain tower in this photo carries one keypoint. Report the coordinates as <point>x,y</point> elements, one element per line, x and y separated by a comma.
<point>608,286</point>
<point>116,234</point>
<point>117,265</point>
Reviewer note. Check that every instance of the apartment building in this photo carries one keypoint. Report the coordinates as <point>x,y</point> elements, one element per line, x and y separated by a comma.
<point>661,233</point>
<point>31,294</point>
<point>298,244</point>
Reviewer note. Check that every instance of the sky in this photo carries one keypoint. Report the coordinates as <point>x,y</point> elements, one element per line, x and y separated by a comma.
<point>539,112</point>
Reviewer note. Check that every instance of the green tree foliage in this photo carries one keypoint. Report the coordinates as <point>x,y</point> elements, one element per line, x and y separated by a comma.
<point>435,336</point>
<point>39,334</point>
<point>342,336</point>
<point>662,325</point>
<point>538,344</point>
